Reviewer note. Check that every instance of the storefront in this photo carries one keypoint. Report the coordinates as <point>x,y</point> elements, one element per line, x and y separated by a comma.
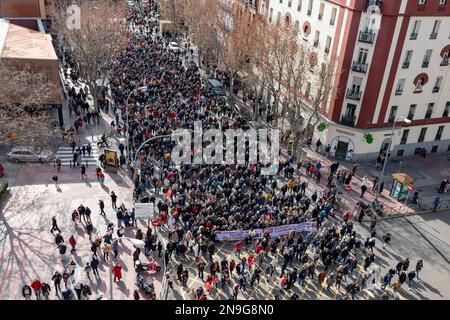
<point>342,148</point>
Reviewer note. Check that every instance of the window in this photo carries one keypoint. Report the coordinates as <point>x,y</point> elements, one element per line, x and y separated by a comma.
<point>429,111</point>
<point>422,134</point>
<point>362,56</point>
<point>426,58</point>
<point>322,8</point>
<point>400,86</point>
<point>442,2</point>
<point>445,58</point>
<point>328,45</point>
<point>299,6</point>
<point>404,136</point>
<point>392,114</point>
<point>270,14</point>
<point>308,89</point>
<point>418,150</point>
<point>333,16</point>
<point>418,88</point>
<point>415,30</point>
<point>310,5</point>
<point>446,110</point>
<point>281,1</point>
<point>407,59</point>
<point>439,133</point>
<point>448,148</point>
<point>435,31</point>
<point>278,17</point>
<point>437,86</point>
<point>400,153</point>
<point>422,2</point>
<point>412,111</point>
<point>297,25</point>
<point>290,3</point>
<point>434,149</point>
<point>316,39</point>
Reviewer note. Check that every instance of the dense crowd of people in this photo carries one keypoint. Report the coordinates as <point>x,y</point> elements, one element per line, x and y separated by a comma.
<point>158,93</point>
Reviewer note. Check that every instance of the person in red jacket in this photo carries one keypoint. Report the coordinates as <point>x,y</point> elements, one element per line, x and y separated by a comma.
<point>73,243</point>
<point>117,271</point>
<point>238,248</point>
<point>36,286</point>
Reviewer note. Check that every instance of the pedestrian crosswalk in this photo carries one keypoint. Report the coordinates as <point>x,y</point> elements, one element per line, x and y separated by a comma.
<point>65,154</point>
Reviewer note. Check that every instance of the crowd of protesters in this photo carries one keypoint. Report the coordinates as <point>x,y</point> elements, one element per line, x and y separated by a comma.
<point>196,201</point>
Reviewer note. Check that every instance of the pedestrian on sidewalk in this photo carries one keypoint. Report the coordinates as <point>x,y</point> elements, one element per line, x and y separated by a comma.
<point>363,190</point>
<point>57,277</point>
<point>419,267</point>
<point>375,184</point>
<point>58,165</point>
<point>55,180</point>
<point>114,200</point>
<point>36,286</point>
<point>436,203</point>
<point>387,239</point>
<point>72,243</point>
<point>101,204</point>
<point>355,166</point>
<point>54,225</point>
<point>83,172</point>
<point>83,150</point>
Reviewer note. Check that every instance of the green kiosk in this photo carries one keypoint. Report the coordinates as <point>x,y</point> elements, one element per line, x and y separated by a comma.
<point>399,189</point>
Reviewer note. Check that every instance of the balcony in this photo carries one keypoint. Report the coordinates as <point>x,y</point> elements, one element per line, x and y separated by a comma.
<point>413,36</point>
<point>405,65</point>
<point>444,62</point>
<point>398,92</point>
<point>359,67</point>
<point>436,89</point>
<point>348,121</point>
<point>316,43</point>
<point>425,64</point>
<point>354,95</point>
<point>327,50</point>
<point>309,12</point>
<point>366,36</point>
<point>373,3</point>
<point>433,35</point>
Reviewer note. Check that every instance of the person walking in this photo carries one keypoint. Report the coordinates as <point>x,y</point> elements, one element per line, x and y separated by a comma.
<point>55,225</point>
<point>117,271</point>
<point>89,149</point>
<point>419,267</point>
<point>114,200</point>
<point>83,172</point>
<point>101,204</point>
<point>26,292</point>
<point>436,203</point>
<point>57,277</point>
<point>36,286</point>
<point>55,180</point>
<point>72,243</point>
<point>94,265</point>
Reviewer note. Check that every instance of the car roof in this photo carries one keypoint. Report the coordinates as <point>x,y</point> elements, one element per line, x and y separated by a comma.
<point>22,148</point>
<point>215,82</point>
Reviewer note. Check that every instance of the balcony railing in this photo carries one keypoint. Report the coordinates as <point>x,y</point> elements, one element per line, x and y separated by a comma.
<point>354,95</point>
<point>425,64</point>
<point>444,62</point>
<point>433,35</point>
<point>405,65</point>
<point>398,92</point>
<point>413,36</point>
<point>348,121</point>
<point>435,89</point>
<point>316,43</point>
<point>327,50</point>
<point>359,67</point>
<point>374,3</point>
<point>367,36</point>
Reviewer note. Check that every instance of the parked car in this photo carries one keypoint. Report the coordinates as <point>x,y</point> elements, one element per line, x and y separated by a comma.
<point>174,47</point>
<point>216,87</point>
<point>29,154</point>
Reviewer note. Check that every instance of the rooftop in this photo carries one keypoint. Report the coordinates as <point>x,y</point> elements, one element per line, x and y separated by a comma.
<point>22,43</point>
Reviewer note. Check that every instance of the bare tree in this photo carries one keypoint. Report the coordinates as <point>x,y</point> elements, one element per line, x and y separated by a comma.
<point>277,52</point>
<point>24,110</point>
<point>240,34</point>
<point>102,35</point>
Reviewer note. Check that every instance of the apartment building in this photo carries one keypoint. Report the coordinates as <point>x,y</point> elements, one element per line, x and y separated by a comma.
<point>393,62</point>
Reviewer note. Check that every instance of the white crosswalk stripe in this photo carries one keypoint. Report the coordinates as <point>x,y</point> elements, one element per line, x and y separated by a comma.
<point>65,154</point>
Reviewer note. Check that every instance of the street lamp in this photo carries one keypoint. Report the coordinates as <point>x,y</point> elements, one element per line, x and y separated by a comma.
<point>380,177</point>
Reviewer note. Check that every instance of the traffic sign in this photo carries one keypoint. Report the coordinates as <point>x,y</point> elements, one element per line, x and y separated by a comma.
<point>410,187</point>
